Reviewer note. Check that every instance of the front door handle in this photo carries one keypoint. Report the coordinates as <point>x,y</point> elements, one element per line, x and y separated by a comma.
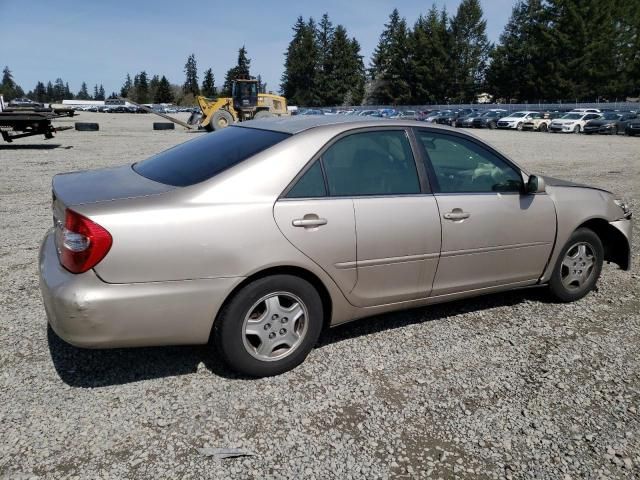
<point>309,222</point>
<point>456,214</point>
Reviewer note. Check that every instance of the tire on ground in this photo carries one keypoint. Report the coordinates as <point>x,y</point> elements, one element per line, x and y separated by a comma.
<point>262,114</point>
<point>163,126</point>
<point>556,286</point>
<point>230,338</point>
<point>221,119</point>
<point>87,127</point>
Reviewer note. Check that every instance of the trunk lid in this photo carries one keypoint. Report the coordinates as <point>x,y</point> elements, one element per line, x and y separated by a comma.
<point>92,186</point>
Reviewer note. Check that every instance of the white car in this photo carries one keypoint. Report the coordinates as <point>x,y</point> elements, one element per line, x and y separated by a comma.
<point>572,122</point>
<point>516,120</point>
<point>586,110</point>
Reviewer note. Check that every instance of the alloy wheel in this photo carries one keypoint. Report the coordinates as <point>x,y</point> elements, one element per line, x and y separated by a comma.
<point>578,266</point>
<point>275,326</point>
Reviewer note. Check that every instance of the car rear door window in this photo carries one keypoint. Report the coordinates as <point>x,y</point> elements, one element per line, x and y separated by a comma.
<point>371,163</point>
<point>310,185</point>
<point>201,159</point>
<point>463,166</point>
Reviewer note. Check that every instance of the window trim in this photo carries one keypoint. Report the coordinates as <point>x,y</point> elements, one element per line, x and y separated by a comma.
<point>420,170</point>
<point>435,186</point>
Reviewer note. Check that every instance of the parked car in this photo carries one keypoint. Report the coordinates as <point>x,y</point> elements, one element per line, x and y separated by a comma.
<point>516,120</point>
<point>572,122</point>
<point>24,102</point>
<point>432,116</point>
<point>465,121</point>
<point>248,235</point>
<point>405,114</point>
<point>489,119</point>
<point>310,111</point>
<point>538,121</point>
<point>447,117</point>
<point>633,128</point>
<point>586,110</point>
<point>609,122</point>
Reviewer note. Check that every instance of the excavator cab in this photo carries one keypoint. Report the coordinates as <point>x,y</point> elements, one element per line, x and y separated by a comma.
<point>245,96</point>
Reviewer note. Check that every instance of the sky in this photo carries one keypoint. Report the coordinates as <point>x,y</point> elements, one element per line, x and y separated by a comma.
<point>101,41</point>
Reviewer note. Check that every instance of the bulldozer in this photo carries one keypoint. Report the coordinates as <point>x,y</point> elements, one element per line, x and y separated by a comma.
<point>244,104</point>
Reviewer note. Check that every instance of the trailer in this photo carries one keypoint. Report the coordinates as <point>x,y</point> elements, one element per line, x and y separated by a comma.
<point>26,123</point>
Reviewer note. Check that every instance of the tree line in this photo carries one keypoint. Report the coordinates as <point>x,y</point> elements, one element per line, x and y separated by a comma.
<point>549,51</point>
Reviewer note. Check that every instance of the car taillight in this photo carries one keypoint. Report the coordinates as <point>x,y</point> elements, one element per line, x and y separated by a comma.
<point>81,243</point>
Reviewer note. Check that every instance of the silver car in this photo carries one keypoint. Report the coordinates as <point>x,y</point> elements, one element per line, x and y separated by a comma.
<point>260,235</point>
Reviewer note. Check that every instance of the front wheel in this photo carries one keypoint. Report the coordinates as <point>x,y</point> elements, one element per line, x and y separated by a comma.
<point>576,129</point>
<point>519,127</point>
<point>492,125</point>
<point>270,326</point>
<point>578,267</point>
<point>542,127</point>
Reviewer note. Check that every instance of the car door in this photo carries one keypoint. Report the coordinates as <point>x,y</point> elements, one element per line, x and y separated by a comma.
<point>321,227</point>
<point>492,233</point>
<point>397,225</point>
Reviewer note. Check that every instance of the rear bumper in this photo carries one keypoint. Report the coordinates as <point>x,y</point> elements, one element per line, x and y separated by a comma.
<point>87,312</point>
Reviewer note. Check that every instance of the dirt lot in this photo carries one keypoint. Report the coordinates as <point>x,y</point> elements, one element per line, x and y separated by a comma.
<point>502,386</point>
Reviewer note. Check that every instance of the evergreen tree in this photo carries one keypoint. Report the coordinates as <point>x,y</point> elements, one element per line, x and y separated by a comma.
<point>113,95</point>
<point>153,87</point>
<point>469,51</point>
<point>95,92</point>
<point>519,64</point>
<point>58,90</point>
<point>347,76</point>
<point>241,70</point>
<point>50,91</point>
<point>83,93</point>
<point>40,93</point>
<point>126,87</point>
<point>9,88</point>
<point>142,88</point>
<point>324,84</point>
<point>262,86</point>
<point>191,72</point>
<point>390,67</point>
<point>429,58</point>
<point>67,92</point>
<point>163,93</point>
<point>299,77</point>
<point>101,93</point>
<point>208,84</point>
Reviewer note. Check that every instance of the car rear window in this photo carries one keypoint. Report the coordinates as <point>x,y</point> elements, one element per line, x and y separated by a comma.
<point>201,159</point>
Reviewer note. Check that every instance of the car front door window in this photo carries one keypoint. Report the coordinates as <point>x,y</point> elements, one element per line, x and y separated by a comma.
<point>462,166</point>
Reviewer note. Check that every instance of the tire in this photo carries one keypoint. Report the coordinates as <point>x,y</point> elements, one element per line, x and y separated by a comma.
<point>163,126</point>
<point>543,127</point>
<point>248,310</point>
<point>568,285</point>
<point>576,129</point>
<point>614,130</point>
<point>262,114</point>
<point>220,120</point>
<point>492,125</point>
<point>87,127</point>
<point>519,127</point>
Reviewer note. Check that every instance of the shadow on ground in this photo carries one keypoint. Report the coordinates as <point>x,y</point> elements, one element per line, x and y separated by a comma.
<point>85,368</point>
<point>30,146</point>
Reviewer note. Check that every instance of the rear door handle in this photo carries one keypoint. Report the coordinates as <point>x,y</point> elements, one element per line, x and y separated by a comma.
<point>309,222</point>
<point>456,215</point>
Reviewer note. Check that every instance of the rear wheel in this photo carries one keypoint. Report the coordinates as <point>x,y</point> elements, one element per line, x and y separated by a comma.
<point>578,267</point>
<point>614,130</point>
<point>269,326</point>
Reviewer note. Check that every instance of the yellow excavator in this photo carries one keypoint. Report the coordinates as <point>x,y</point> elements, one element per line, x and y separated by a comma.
<point>245,103</point>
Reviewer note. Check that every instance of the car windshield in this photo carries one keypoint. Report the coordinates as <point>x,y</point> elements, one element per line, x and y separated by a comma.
<point>573,116</point>
<point>518,114</point>
<point>201,159</point>
<point>611,116</point>
<point>491,114</point>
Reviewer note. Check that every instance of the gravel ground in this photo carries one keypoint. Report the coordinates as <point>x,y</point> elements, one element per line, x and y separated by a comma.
<point>503,386</point>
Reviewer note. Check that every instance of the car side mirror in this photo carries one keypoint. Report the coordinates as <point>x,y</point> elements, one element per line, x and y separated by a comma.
<point>535,184</point>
